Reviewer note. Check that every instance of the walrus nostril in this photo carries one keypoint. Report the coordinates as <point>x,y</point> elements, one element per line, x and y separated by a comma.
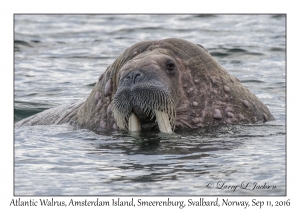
<point>134,76</point>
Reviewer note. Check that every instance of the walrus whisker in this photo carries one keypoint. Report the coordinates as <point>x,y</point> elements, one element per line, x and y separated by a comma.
<point>150,100</point>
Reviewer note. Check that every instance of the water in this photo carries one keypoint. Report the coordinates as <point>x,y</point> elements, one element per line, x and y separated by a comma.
<point>58,59</point>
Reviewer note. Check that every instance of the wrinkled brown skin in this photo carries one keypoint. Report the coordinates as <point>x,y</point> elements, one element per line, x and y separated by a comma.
<point>206,94</point>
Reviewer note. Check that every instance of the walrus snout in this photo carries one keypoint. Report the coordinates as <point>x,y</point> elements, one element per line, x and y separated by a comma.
<point>140,104</point>
<point>142,98</point>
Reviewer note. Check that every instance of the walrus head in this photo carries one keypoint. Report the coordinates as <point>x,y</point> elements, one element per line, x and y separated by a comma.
<point>146,93</point>
<point>169,84</point>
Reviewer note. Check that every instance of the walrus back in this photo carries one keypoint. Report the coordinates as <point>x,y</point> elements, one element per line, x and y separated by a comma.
<point>57,115</point>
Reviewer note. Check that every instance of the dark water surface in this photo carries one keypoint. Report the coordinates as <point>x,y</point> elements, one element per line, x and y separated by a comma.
<point>58,59</point>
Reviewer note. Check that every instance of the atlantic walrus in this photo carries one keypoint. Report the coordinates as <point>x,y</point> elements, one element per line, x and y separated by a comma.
<point>170,84</point>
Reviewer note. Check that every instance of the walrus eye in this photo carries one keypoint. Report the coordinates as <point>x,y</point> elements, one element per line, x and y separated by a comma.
<point>170,66</point>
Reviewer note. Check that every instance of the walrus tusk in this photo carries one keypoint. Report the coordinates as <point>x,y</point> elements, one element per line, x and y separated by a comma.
<point>163,122</point>
<point>133,123</point>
